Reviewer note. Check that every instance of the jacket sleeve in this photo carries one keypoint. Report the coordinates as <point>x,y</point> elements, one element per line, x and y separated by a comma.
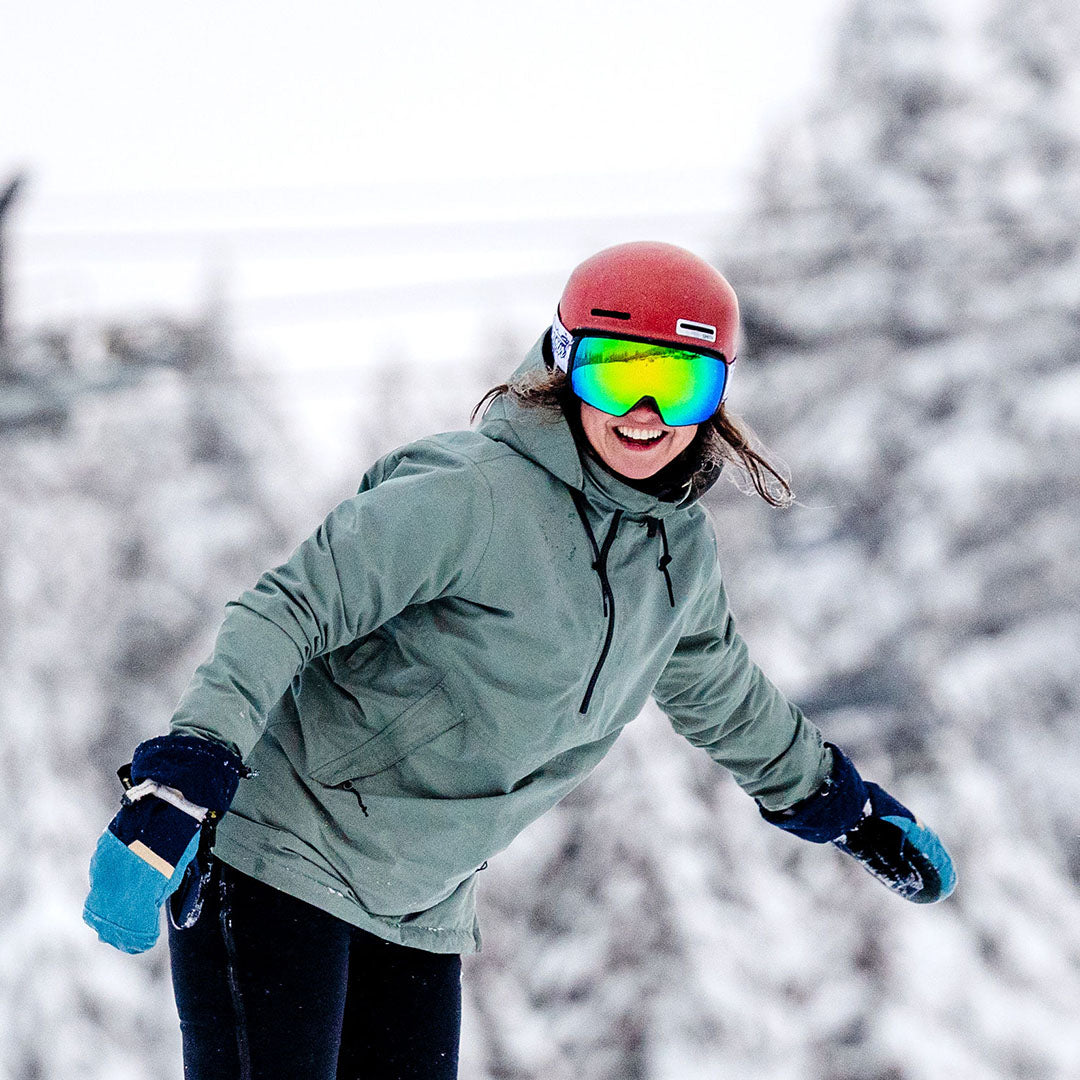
<point>718,698</point>
<point>417,534</point>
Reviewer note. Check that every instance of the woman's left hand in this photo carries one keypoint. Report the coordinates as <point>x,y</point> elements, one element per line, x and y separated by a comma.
<point>898,850</point>
<point>865,821</point>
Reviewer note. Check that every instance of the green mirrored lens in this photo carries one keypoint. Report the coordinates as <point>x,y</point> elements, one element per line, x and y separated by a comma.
<point>614,375</point>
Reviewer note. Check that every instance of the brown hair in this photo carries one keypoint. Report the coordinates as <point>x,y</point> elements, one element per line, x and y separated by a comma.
<point>720,439</point>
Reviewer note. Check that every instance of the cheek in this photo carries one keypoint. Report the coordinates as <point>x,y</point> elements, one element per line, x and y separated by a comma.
<point>592,423</point>
<point>683,438</point>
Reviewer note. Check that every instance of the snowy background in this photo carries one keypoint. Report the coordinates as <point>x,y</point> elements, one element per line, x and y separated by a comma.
<point>907,253</point>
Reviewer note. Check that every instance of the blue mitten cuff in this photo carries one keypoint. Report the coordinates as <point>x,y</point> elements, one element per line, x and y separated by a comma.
<point>834,808</point>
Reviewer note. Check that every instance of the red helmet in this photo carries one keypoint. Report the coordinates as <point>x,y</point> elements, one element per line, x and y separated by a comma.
<point>652,291</point>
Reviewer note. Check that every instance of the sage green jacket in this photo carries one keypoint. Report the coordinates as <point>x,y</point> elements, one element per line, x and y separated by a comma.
<point>449,655</point>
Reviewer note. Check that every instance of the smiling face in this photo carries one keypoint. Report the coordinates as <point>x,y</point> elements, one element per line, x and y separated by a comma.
<point>637,445</point>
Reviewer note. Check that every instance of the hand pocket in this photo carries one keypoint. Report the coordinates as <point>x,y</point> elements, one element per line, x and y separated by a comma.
<point>426,719</point>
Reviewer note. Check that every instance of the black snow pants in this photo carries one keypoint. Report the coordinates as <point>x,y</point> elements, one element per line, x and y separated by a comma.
<point>270,988</point>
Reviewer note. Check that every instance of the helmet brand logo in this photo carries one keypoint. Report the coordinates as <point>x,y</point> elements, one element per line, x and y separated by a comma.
<point>701,331</point>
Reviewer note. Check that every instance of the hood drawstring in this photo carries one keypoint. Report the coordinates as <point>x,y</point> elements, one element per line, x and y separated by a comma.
<point>600,552</point>
<point>654,526</point>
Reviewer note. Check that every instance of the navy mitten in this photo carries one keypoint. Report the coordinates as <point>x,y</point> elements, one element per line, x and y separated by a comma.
<point>179,783</point>
<point>865,821</point>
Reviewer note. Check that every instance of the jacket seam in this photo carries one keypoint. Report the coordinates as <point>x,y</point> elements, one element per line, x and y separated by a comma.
<point>474,467</point>
<point>491,525</point>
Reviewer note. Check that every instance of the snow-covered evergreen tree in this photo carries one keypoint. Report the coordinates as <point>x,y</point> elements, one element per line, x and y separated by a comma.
<point>124,533</point>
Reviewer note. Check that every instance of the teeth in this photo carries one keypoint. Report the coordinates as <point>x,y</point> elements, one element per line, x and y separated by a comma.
<point>641,434</point>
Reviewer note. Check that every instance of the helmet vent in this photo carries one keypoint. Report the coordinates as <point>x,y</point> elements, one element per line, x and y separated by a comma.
<point>603,314</point>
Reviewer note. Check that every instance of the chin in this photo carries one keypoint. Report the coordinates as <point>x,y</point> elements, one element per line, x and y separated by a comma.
<point>639,473</point>
<point>634,469</point>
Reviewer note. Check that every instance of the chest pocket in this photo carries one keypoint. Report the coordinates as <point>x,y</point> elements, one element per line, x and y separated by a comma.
<point>421,722</point>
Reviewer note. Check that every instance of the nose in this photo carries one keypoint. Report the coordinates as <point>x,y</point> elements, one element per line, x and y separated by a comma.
<point>646,408</point>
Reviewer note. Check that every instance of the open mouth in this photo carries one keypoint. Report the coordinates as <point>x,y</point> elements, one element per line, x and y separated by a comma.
<point>639,438</point>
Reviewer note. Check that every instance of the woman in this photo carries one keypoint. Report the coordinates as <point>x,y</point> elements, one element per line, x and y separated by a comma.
<point>450,653</point>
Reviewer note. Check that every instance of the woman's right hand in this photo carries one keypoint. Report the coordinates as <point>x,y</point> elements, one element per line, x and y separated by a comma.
<point>178,783</point>
<point>137,864</point>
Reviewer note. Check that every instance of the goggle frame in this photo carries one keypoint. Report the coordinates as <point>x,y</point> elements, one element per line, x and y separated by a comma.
<point>710,403</point>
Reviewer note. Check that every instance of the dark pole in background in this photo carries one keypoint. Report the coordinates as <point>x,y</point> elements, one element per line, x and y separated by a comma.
<point>7,198</point>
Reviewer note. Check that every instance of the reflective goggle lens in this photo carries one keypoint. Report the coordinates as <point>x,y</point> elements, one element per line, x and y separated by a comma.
<point>613,376</point>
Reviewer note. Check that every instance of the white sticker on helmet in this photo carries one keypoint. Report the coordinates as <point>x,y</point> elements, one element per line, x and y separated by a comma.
<point>562,343</point>
<point>701,331</point>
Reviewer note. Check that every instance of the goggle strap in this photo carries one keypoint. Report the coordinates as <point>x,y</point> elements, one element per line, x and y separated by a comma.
<point>562,343</point>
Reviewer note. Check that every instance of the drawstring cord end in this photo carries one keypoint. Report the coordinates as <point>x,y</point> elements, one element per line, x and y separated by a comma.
<point>654,526</point>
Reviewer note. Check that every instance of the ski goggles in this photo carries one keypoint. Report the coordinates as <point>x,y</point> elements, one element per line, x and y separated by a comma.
<point>614,374</point>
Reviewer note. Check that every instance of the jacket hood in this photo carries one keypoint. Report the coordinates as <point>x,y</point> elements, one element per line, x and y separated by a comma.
<point>544,435</point>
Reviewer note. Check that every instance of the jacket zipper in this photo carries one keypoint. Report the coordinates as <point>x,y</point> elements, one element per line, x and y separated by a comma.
<point>600,556</point>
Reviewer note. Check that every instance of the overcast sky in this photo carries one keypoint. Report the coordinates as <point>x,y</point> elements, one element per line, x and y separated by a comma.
<point>311,163</point>
<point>129,96</point>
